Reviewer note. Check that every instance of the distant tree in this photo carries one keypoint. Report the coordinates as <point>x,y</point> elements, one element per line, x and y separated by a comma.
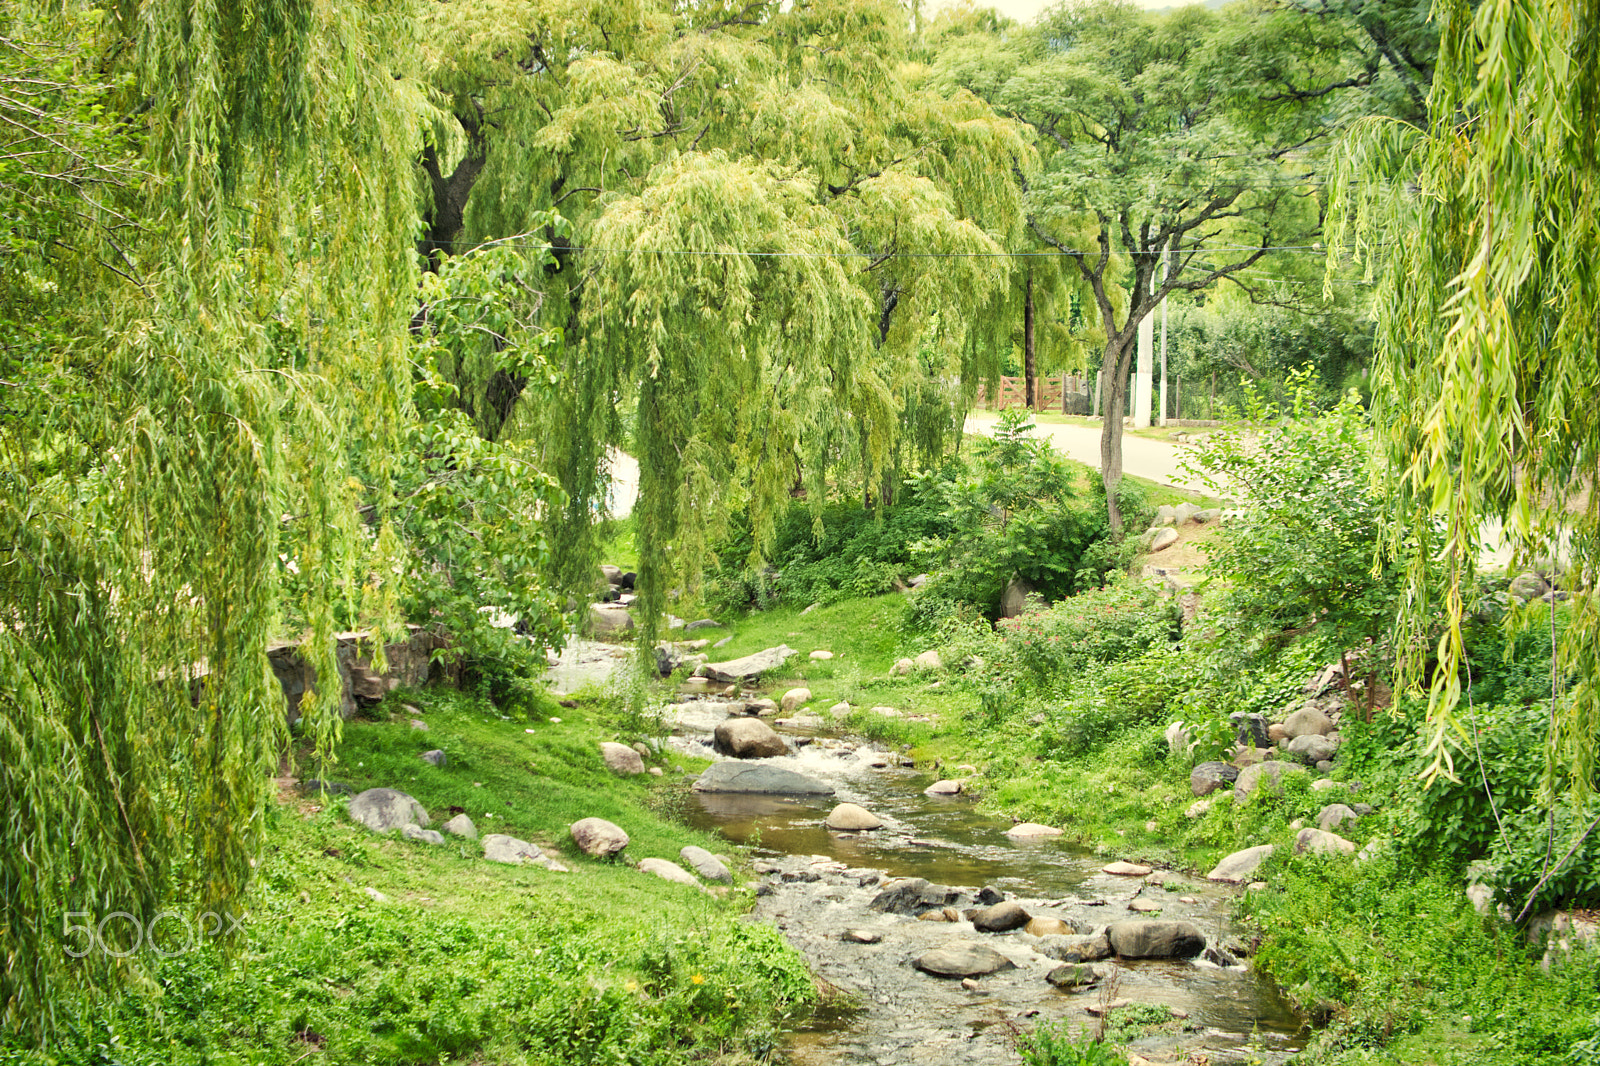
<point>1169,155</point>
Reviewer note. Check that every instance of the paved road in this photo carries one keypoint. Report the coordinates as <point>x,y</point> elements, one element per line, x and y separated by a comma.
<point>1153,459</point>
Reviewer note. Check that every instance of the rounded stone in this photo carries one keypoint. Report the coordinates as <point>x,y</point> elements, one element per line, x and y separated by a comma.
<point>598,837</point>
<point>963,958</point>
<point>849,816</point>
<point>1001,918</point>
<point>383,809</point>
<point>620,758</point>
<point>1032,831</point>
<point>667,871</point>
<point>794,698</point>
<point>1045,926</point>
<point>1126,869</point>
<point>943,788</point>
<point>748,738</point>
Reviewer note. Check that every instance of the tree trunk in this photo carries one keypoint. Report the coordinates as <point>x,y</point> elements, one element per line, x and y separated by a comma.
<point>1029,367</point>
<point>1114,365</point>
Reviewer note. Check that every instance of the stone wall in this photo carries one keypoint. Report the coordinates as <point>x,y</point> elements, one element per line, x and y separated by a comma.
<point>409,663</point>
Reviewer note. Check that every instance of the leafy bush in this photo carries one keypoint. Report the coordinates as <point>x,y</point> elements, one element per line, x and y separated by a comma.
<point>1121,621</point>
<point>1057,1045</point>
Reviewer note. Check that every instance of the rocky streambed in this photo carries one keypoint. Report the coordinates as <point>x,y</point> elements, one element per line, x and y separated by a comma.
<point>946,933</point>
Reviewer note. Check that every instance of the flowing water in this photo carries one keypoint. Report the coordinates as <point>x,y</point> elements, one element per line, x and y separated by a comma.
<point>818,884</point>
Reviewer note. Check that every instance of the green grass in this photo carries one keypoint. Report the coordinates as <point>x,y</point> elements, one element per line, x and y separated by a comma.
<point>464,959</point>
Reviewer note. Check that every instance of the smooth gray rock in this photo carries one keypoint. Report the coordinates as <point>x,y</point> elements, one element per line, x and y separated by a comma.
<point>702,623</point>
<point>436,757</point>
<point>1074,975</point>
<point>748,738</point>
<point>794,699</point>
<point>497,847</point>
<point>1251,777</point>
<point>943,788</point>
<point>1209,777</point>
<point>761,778</point>
<point>1016,598</point>
<point>962,958</point>
<point>1528,586</point>
<point>913,896</point>
<point>1177,739</point>
<point>668,871</point>
<point>1334,815</point>
<point>461,826</point>
<point>383,809</point>
<point>1312,749</point>
<point>751,666</point>
<point>1155,939</point>
<point>1241,865</point>
<point>1164,539</point>
<point>928,660</point>
<point>1078,948</point>
<point>850,817</point>
<point>597,837</point>
<point>620,758</point>
<point>1318,842</point>
<point>706,864</point>
<point>416,832</point>
<point>1307,721</point>
<point>607,620</point>
<point>1001,918</point>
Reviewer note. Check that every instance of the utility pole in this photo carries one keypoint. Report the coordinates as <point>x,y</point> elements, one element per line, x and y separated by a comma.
<point>1166,262</point>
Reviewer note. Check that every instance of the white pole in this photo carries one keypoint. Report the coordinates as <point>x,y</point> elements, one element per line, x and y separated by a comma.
<point>1167,273</point>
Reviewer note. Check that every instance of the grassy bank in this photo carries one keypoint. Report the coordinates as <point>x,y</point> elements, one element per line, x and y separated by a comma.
<point>361,948</point>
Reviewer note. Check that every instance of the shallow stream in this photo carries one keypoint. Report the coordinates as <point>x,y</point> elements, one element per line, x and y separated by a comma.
<point>819,882</point>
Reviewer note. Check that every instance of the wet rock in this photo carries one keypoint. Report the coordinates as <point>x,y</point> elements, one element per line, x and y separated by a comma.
<point>1307,721</point>
<point>1208,777</point>
<point>597,837</point>
<point>1241,865</point>
<point>751,666</point>
<point>1317,842</point>
<point>1251,777</point>
<point>706,864</point>
<point>794,698</point>
<point>436,757</point>
<point>1078,948</point>
<point>914,896</point>
<point>621,759</point>
<point>862,936</point>
<point>1046,926</point>
<point>943,788</point>
<point>962,958</point>
<point>383,809</point>
<point>1125,869</point>
<point>461,826</point>
<point>1144,906</point>
<point>1032,831</point>
<point>761,778</point>
<point>944,915</point>
<point>416,832</point>
<point>748,738</point>
<point>1073,976</point>
<point>762,708</point>
<point>1217,957</point>
<point>848,816</point>
<point>667,871</point>
<point>497,847</point>
<point>1334,815</point>
<point>988,896</point>
<point>1154,939</point>
<point>1001,918</point>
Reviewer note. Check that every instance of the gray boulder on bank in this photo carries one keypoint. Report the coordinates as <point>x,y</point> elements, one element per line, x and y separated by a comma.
<point>383,809</point>
<point>668,871</point>
<point>416,832</point>
<point>1209,777</point>
<point>706,864</point>
<point>1241,865</point>
<point>620,758</point>
<point>1312,748</point>
<point>751,666</point>
<point>1152,939</point>
<point>598,837</point>
<point>1318,842</point>
<point>497,847</point>
<point>1251,777</point>
<point>461,826</point>
<point>760,778</point>
<point>1078,948</point>
<point>1307,721</point>
<point>913,896</point>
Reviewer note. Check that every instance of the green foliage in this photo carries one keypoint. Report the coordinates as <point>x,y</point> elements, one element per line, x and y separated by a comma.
<point>1012,510</point>
<point>1121,621</point>
<point>1057,1045</point>
<point>1305,551</point>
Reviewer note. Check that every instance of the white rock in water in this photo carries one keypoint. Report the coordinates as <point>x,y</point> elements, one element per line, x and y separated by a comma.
<point>849,816</point>
<point>1031,830</point>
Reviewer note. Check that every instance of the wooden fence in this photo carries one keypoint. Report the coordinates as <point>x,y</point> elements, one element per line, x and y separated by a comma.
<point>1050,394</point>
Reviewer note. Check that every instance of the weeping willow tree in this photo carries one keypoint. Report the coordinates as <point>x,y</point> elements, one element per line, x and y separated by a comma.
<point>766,209</point>
<point>1486,229</point>
<point>217,188</point>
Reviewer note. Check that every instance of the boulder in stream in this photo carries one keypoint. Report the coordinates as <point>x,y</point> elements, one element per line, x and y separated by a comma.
<point>748,738</point>
<point>913,896</point>
<point>943,788</point>
<point>1074,976</point>
<point>963,958</point>
<point>1140,938</point>
<point>1043,925</point>
<point>1001,918</point>
<point>751,666</point>
<point>1032,831</point>
<point>851,818</point>
<point>1078,948</point>
<point>760,778</point>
